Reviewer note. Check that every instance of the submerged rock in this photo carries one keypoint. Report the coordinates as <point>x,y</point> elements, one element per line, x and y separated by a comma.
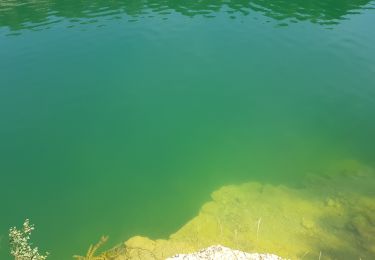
<point>312,222</point>
<point>307,223</point>
<point>223,253</point>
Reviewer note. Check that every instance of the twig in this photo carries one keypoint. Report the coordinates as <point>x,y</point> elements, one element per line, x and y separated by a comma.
<point>305,254</point>
<point>259,220</point>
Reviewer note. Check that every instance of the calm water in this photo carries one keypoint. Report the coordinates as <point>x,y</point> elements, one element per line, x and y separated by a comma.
<point>121,117</point>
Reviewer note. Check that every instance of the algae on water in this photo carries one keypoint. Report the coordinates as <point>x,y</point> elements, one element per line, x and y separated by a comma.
<point>327,217</point>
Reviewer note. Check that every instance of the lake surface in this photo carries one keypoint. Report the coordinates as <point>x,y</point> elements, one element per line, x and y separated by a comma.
<point>121,117</point>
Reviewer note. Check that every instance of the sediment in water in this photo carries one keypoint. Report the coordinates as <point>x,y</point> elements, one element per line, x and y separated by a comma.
<point>329,216</point>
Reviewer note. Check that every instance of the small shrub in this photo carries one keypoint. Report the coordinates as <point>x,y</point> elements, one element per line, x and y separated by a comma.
<point>20,246</point>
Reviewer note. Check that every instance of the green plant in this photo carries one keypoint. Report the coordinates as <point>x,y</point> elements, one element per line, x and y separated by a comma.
<point>20,245</point>
<point>92,250</point>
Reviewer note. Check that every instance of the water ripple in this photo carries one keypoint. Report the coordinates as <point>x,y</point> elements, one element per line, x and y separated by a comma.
<point>16,15</point>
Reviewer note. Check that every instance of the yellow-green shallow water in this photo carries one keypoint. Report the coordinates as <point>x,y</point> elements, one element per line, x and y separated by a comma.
<point>122,117</point>
<point>321,219</point>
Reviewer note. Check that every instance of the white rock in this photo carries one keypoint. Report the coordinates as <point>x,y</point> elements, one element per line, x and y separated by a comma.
<point>223,253</point>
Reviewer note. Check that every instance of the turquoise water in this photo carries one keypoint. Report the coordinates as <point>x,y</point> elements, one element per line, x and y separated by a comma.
<point>121,117</point>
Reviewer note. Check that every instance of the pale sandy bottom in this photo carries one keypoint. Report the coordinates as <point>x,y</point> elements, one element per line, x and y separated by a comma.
<point>222,253</point>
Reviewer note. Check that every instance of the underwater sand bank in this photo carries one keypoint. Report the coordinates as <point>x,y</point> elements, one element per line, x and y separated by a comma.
<point>327,217</point>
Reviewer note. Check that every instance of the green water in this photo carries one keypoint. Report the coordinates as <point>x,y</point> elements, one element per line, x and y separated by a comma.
<point>121,117</point>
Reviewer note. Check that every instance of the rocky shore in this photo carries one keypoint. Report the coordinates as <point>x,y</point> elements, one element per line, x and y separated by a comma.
<point>223,253</point>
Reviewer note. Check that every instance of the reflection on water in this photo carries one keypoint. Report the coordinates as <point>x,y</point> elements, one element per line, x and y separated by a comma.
<point>16,14</point>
